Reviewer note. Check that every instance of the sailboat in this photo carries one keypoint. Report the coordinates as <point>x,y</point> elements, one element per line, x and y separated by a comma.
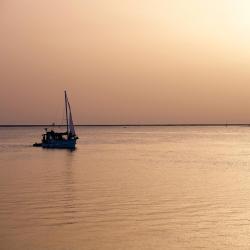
<point>52,139</point>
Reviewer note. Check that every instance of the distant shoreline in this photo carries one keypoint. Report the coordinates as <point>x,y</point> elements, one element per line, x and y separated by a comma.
<point>126,125</point>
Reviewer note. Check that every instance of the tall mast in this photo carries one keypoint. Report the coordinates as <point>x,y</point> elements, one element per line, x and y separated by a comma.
<point>66,109</point>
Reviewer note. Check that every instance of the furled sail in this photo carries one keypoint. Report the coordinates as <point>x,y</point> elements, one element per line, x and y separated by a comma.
<point>71,124</point>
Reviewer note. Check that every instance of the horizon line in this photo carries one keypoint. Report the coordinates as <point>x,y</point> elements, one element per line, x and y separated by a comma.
<point>129,125</point>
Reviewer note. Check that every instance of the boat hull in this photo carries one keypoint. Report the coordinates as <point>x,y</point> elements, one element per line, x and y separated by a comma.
<point>70,144</point>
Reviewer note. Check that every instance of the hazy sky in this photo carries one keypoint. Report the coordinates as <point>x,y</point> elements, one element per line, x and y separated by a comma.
<point>130,61</point>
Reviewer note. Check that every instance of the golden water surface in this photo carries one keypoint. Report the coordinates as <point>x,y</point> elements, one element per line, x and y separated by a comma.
<point>127,188</point>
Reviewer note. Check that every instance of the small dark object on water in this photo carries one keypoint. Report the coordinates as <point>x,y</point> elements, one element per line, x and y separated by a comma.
<point>52,139</point>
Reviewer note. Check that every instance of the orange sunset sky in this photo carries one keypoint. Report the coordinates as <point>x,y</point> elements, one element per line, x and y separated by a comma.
<point>131,61</point>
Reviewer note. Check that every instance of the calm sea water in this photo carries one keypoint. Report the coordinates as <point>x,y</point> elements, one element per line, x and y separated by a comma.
<point>127,188</point>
